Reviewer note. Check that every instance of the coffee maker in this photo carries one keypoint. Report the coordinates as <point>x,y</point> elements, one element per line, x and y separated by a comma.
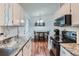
<point>56,34</point>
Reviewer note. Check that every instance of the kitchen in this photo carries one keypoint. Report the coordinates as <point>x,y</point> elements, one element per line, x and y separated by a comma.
<point>46,29</point>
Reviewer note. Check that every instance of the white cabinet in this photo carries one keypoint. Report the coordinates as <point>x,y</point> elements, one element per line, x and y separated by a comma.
<point>64,52</point>
<point>77,37</point>
<point>22,16</point>
<point>11,14</point>
<point>64,10</point>
<point>75,14</point>
<point>69,9</point>
<point>27,49</point>
<point>16,14</point>
<point>5,14</point>
<point>2,8</point>
<point>20,53</point>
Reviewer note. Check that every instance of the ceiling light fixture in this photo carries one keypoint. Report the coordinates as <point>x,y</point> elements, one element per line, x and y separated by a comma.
<point>22,21</point>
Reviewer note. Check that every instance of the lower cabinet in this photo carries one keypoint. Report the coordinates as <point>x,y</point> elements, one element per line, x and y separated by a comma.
<point>64,52</point>
<point>20,53</point>
<point>26,51</point>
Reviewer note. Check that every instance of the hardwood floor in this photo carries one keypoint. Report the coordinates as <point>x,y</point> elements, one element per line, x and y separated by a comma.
<point>36,48</point>
<point>39,48</point>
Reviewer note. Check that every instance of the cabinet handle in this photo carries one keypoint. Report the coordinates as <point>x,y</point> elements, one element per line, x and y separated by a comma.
<point>12,21</point>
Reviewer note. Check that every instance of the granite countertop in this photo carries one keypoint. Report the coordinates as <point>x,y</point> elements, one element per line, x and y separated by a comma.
<point>2,37</point>
<point>21,41</point>
<point>73,48</point>
<point>19,47</point>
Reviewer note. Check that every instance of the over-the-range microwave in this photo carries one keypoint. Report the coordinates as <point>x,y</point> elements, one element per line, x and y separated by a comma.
<point>63,21</point>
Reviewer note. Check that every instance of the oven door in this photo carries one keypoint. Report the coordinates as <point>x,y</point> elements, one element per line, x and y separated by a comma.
<point>69,36</point>
<point>56,47</point>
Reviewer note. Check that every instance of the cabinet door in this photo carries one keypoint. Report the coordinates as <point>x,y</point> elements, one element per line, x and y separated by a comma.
<point>8,14</point>
<point>20,53</point>
<point>78,37</point>
<point>5,14</point>
<point>16,14</point>
<point>10,9</point>
<point>22,17</point>
<point>27,49</point>
<point>65,9</point>
<point>75,14</point>
<point>64,52</point>
<point>25,53</point>
<point>2,9</point>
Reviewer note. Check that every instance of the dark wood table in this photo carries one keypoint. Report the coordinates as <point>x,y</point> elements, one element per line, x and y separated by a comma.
<point>41,35</point>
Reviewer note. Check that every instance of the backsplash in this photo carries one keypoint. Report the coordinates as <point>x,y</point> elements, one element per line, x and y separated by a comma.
<point>1,31</point>
<point>10,31</point>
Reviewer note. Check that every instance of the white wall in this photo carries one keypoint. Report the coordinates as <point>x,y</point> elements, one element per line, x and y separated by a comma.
<point>9,31</point>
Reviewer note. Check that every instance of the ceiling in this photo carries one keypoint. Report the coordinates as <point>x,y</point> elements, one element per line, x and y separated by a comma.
<point>40,9</point>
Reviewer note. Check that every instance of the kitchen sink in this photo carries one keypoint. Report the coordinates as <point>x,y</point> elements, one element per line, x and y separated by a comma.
<point>9,48</point>
<point>6,51</point>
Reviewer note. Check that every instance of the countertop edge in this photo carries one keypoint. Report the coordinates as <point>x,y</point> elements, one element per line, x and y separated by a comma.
<point>68,50</point>
<point>15,53</point>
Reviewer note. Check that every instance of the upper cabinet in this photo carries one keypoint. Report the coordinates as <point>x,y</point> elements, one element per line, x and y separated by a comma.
<point>64,10</point>
<point>22,21</point>
<point>75,14</point>
<point>2,8</point>
<point>11,14</point>
<point>67,9</point>
<point>16,14</point>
